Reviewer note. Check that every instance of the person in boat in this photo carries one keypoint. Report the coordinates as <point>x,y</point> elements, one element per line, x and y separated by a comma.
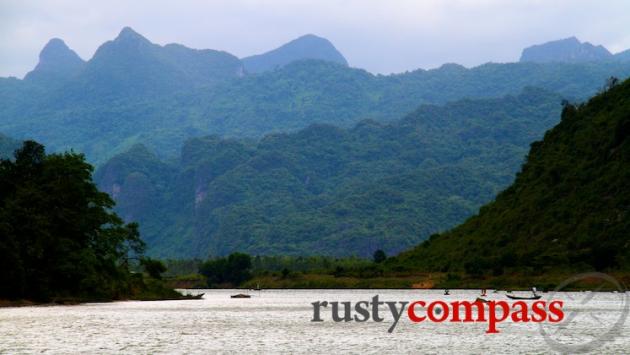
<point>483,292</point>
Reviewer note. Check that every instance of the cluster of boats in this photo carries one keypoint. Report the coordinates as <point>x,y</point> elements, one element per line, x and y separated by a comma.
<point>534,295</point>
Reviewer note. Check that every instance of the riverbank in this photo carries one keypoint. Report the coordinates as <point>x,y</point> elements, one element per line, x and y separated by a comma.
<point>148,290</point>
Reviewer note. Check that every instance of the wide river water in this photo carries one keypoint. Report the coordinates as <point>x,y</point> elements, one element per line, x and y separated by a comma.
<point>280,322</point>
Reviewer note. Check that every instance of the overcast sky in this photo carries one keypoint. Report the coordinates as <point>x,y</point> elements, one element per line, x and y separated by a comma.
<point>380,36</point>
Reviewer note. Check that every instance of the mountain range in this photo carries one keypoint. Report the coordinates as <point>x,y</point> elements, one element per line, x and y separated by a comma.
<point>570,50</point>
<point>293,151</point>
<point>134,91</point>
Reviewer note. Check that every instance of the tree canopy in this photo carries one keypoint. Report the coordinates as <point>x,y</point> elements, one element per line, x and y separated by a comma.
<point>58,235</point>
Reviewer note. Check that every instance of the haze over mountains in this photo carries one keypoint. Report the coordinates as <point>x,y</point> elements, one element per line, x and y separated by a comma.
<point>293,151</point>
<point>305,47</point>
<point>133,91</point>
<point>57,63</point>
<point>570,50</point>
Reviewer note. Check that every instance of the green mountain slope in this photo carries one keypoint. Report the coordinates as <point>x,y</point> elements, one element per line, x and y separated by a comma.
<point>569,207</point>
<point>327,190</point>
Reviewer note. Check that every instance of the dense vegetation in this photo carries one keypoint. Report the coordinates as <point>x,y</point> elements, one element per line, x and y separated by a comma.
<point>569,208</point>
<point>326,190</point>
<point>58,236</point>
<point>133,91</point>
<point>243,270</point>
<point>230,271</point>
<point>310,158</point>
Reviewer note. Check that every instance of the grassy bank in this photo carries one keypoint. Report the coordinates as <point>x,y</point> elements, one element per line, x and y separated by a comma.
<point>287,272</point>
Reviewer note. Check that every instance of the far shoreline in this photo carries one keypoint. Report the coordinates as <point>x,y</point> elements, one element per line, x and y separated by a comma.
<point>76,302</point>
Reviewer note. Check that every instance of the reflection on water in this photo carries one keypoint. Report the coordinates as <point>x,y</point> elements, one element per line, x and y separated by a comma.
<point>279,321</point>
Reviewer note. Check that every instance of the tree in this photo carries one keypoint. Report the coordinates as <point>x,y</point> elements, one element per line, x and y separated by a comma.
<point>154,268</point>
<point>379,256</point>
<point>235,269</point>
<point>58,235</point>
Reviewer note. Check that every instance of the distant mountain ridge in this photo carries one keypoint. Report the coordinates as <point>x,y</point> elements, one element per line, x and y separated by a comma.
<point>305,47</point>
<point>131,64</point>
<point>623,56</point>
<point>570,50</point>
<point>57,63</point>
<point>134,91</point>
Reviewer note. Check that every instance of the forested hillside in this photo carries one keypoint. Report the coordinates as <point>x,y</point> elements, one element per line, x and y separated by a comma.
<point>327,190</point>
<point>569,208</point>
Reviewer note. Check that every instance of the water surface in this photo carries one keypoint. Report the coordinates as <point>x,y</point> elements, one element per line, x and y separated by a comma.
<point>279,321</point>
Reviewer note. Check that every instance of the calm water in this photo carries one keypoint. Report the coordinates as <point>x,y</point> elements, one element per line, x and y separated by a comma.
<point>279,321</point>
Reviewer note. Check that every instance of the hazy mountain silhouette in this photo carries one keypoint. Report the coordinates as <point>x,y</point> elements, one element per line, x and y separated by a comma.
<point>57,63</point>
<point>132,64</point>
<point>569,50</point>
<point>305,47</point>
<point>134,91</point>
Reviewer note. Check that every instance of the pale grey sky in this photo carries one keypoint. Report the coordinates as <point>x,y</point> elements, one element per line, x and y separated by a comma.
<point>382,36</point>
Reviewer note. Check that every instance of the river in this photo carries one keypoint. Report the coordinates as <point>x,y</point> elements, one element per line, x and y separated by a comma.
<point>280,322</point>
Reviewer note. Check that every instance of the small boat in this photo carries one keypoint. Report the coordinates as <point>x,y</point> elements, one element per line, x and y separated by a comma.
<point>482,300</point>
<point>257,287</point>
<point>197,297</point>
<point>446,292</point>
<point>240,295</point>
<point>534,297</point>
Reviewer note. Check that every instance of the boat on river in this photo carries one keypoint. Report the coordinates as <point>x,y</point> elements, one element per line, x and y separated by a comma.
<point>534,297</point>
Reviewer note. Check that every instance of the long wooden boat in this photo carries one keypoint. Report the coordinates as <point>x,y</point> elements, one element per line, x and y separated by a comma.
<point>534,297</point>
